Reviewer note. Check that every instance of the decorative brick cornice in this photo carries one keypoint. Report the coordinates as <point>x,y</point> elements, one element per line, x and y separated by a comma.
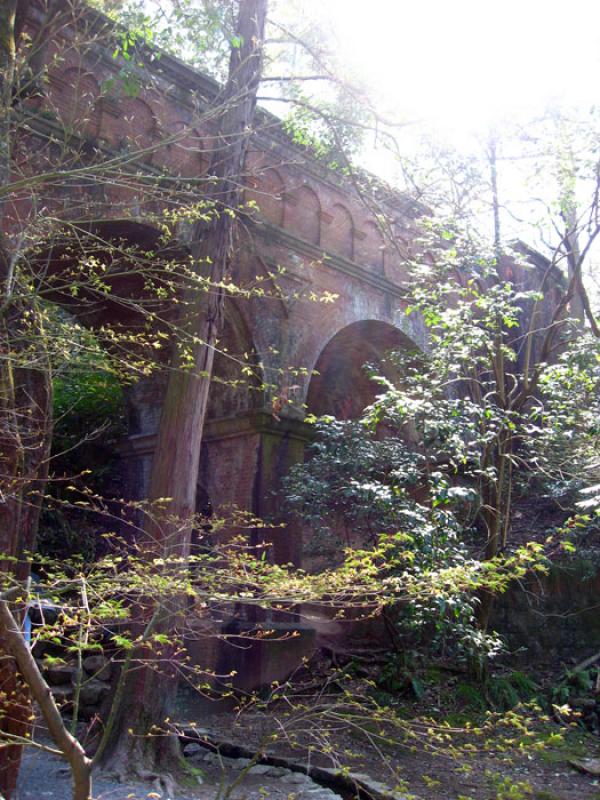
<point>331,260</point>
<point>248,424</point>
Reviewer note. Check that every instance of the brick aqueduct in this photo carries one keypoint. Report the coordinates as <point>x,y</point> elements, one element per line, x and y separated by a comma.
<point>312,222</point>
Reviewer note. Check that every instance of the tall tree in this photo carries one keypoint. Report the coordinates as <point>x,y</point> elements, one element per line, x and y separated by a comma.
<point>35,231</point>
<point>177,454</point>
<point>25,407</point>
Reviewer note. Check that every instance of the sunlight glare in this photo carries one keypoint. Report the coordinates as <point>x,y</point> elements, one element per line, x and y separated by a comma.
<point>468,64</point>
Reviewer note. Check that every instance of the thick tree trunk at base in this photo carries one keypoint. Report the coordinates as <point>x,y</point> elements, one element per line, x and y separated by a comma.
<point>177,452</point>
<point>15,721</point>
<point>27,450</point>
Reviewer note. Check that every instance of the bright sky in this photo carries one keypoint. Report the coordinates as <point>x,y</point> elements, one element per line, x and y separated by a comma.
<point>466,63</point>
<point>462,67</point>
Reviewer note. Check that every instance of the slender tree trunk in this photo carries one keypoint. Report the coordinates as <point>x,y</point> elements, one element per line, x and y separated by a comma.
<point>493,494</point>
<point>493,163</point>
<point>15,706</point>
<point>177,453</point>
<point>571,238</point>
<point>25,420</point>
<point>10,448</point>
<point>24,453</point>
<point>72,751</point>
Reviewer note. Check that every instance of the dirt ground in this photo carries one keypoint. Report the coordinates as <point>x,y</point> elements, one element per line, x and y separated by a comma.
<point>509,765</point>
<point>45,777</point>
<point>524,763</point>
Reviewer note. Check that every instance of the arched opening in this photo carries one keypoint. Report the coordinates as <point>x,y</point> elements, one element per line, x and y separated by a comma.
<point>78,100</point>
<point>370,247</point>
<point>345,515</point>
<point>122,267</point>
<point>266,189</point>
<point>339,234</point>
<point>107,288</point>
<point>303,214</point>
<point>340,386</point>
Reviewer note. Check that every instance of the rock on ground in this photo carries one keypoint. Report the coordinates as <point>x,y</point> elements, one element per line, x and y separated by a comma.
<point>45,777</point>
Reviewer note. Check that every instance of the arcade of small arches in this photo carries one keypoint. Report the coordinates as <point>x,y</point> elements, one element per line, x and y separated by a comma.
<point>290,191</point>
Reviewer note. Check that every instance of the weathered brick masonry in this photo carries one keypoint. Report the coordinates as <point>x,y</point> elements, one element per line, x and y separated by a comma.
<point>311,223</point>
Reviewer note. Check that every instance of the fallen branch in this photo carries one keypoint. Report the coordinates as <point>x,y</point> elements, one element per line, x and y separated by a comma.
<point>587,663</point>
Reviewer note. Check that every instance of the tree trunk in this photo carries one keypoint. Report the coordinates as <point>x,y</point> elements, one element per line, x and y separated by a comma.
<point>25,419</point>
<point>72,751</point>
<point>571,239</point>
<point>15,707</point>
<point>24,450</point>
<point>177,453</point>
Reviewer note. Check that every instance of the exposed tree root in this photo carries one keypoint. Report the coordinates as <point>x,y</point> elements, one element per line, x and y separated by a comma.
<point>155,760</point>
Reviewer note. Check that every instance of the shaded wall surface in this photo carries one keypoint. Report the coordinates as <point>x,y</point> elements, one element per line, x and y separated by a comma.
<point>554,617</point>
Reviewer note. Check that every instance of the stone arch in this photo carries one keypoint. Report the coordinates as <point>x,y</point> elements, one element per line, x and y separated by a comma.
<point>303,214</point>
<point>340,386</point>
<point>370,247</point>
<point>233,392</point>
<point>135,125</point>
<point>186,155</point>
<point>116,246</point>
<point>267,190</point>
<point>338,236</point>
<point>75,94</point>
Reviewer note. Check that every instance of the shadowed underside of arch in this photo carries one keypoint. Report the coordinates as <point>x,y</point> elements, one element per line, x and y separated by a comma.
<point>341,386</point>
<point>113,272</point>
